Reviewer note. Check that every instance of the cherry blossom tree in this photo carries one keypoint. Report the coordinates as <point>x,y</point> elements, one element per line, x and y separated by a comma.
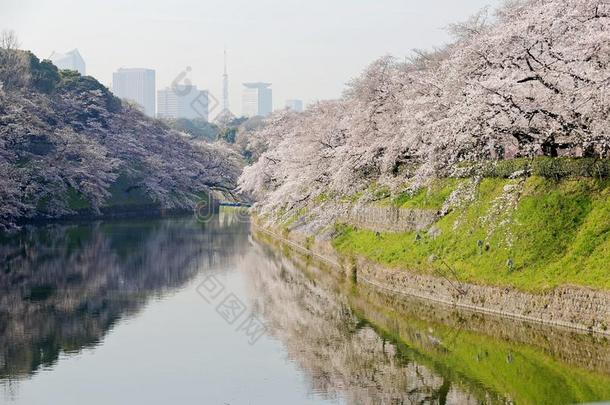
<point>532,79</point>
<point>66,144</point>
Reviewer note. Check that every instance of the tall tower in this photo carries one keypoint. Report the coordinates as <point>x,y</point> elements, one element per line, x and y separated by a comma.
<point>225,86</point>
<point>225,116</point>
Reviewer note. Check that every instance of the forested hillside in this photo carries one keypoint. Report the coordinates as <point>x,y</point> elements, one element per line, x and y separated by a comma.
<point>68,146</point>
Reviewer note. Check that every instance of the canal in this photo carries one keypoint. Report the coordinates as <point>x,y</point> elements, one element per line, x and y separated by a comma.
<point>185,312</point>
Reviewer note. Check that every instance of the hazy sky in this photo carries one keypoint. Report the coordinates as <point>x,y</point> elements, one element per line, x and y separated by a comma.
<point>307,49</point>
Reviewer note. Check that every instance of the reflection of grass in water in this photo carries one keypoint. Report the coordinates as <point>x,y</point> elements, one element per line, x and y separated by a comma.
<point>517,371</point>
<point>529,377</point>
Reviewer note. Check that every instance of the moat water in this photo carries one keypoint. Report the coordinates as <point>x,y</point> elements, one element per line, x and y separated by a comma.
<point>183,312</point>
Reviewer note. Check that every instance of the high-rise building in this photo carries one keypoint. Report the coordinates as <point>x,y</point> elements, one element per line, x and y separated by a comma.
<point>182,101</point>
<point>295,105</point>
<point>136,85</point>
<point>257,99</point>
<point>69,61</point>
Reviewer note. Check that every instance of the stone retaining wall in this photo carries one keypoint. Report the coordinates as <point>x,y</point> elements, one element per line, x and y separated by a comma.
<point>388,219</point>
<point>573,307</point>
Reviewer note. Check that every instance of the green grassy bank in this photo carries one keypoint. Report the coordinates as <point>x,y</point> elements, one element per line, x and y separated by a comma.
<point>532,233</point>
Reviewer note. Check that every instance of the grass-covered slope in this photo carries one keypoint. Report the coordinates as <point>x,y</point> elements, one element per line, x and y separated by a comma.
<point>69,147</point>
<point>533,233</point>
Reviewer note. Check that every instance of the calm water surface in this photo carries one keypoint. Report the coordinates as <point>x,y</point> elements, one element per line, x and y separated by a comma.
<point>175,311</point>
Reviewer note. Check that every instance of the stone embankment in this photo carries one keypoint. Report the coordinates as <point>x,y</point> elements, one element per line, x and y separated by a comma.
<point>572,307</point>
<point>567,306</point>
<point>387,218</point>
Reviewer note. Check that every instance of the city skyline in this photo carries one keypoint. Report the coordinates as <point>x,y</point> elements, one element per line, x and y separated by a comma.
<point>181,99</point>
<point>277,47</point>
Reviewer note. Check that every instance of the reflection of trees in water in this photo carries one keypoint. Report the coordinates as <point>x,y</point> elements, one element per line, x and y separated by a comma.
<point>468,357</point>
<point>62,287</point>
<point>341,355</point>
